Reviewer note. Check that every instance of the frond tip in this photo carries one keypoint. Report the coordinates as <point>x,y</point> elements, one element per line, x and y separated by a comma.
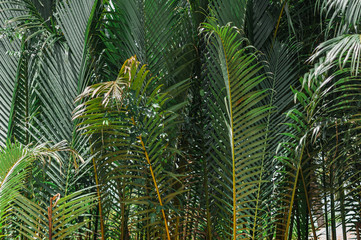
<point>237,136</point>
<point>112,91</point>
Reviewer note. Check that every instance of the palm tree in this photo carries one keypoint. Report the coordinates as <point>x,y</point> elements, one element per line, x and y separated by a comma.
<point>222,119</point>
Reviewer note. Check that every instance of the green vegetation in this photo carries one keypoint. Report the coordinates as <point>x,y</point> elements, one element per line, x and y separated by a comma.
<point>177,119</point>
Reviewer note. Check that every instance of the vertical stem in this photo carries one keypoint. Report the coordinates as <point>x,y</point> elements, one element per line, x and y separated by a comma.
<point>177,228</point>
<point>156,187</point>
<point>325,196</point>
<point>155,183</point>
<point>50,213</point>
<point>50,216</point>
<point>96,224</point>
<point>99,201</point>
<point>292,223</point>
<point>333,215</point>
<point>278,22</point>
<point>332,169</point>
<point>309,206</point>
<point>122,198</point>
<point>294,192</point>
<point>342,206</point>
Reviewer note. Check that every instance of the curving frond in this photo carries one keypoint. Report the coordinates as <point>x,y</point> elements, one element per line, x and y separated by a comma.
<point>237,140</point>
<point>342,14</point>
<point>343,51</point>
<point>187,146</point>
<point>12,176</point>
<point>157,32</point>
<point>79,12</point>
<point>29,22</point>
<point>10,51</point>
<point>16,163</point>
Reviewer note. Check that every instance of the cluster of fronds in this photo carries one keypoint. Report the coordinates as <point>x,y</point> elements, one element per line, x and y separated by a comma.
<point>222,119</point>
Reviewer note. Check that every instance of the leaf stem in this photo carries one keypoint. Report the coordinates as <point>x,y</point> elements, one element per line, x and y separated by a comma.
<point>155,183</point>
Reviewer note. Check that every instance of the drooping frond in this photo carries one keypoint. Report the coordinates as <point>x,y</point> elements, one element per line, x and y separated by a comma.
<point>16,166</point>
<point>342,14</point>
<point>156,32</point>
<point>342,51</point>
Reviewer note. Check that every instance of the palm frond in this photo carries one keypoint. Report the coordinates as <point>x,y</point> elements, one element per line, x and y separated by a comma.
<point>342,51</point>
<point>8,67</point>
<point>260,22</point>
<point>319,101</point>
<point>342,14</point>
<point>281,71</point>
<point>28,21</point>
<point>236,139</point>
<point>233,11</point>
<point>12,175</point>
<point>58,220</point>
<point>16,161</point>
<point>128,133</point>
<point>68,13</point>
<point>156,32</point>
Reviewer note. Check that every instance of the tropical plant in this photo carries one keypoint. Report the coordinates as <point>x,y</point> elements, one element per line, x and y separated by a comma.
<point>222,119</point>
<point>22,206</point>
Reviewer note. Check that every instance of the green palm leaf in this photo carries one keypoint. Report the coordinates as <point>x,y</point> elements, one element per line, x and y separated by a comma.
<point>128,128</point>
<point>157,32</point>
<point>8,66</point>
<point>16,161</point>
<point>237,140</point>
<point>230,11</point>
<point>60,220</point>
<point>320,102</point>
<point>260,22</point>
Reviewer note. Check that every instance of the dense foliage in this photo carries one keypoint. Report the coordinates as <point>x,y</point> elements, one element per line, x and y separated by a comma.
<point>176,119</point>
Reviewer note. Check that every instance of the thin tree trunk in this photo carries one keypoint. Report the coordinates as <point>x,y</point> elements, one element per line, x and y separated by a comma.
<point>325,195</point>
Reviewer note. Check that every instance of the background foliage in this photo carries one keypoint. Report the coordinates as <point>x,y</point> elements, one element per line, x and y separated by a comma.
<point>176,119</point>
